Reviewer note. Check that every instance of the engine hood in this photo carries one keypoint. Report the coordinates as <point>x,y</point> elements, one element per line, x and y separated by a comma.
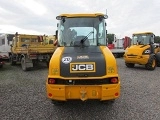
<point>136,49</point>
<point>82,62</point>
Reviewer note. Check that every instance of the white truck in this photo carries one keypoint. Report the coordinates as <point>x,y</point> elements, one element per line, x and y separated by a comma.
<point>119,45</point>
<point>5,42</point>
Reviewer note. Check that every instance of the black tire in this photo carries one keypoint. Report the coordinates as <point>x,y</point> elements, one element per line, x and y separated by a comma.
<point>108,101</point>
<point>47,63</point>
<point>158,59</point>
<point>23,64</point>
<point>11,60</point>
<point>1,66</point>
<point>158,64</point>
<point>130,65</point>
<point>151,65</point>
<point>35,63</point>
<point>57,103</point>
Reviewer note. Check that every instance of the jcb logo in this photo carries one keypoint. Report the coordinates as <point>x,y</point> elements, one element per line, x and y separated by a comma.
<point>82,67</point>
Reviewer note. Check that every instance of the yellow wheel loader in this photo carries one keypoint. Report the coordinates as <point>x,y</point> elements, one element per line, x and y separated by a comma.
<point>82,67</point>
<point>143,51</point>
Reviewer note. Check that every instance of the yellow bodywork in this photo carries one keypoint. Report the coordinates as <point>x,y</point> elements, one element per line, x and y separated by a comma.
<point>29,44</point>
<point>133,54</point>
<point>83,92</point>
<point>82,15</point>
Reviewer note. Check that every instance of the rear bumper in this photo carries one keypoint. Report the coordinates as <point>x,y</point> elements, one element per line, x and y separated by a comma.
<point>143,59</point>
<point>83,92</point>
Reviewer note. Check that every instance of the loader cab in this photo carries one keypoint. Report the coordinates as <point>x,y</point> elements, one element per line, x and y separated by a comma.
<point>144,39</point>
<point>81,30</point>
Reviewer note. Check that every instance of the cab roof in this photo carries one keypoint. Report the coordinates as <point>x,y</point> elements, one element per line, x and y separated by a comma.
<point>27,35</point>
<point>82,15</point>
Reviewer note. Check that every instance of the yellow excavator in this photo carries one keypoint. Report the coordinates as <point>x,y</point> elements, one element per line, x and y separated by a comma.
<point>143,51</point>
<point>82,67</point>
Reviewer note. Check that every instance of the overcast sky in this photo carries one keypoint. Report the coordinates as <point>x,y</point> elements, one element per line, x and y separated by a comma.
<point>39,16</point>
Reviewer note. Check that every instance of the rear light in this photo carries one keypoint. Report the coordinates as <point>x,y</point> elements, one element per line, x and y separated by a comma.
<point>51,81</point>
<point>114,80</point>
<point>50,94</point>
<point>116,94</point>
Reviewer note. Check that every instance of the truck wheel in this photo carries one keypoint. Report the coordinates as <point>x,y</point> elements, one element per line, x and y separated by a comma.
<point>11,60</point>
<point>151,65</point>
<point>130,65</point>
<point>23,64</point>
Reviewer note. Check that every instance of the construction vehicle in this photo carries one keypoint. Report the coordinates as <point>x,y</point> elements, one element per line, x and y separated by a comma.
<point>119,45</point>
<point>31,49</point>
<point>143,51</point>
<point>5,48</point>
<point>82,67</point>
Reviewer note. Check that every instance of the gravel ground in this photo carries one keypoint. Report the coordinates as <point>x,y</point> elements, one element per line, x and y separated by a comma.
<point>23,97</point>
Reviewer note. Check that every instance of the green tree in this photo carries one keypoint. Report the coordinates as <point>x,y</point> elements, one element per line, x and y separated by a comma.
<point>157,39</point>
<point>110,38</point>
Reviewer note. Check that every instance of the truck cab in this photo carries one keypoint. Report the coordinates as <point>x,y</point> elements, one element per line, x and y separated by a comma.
<point>5,42</point>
